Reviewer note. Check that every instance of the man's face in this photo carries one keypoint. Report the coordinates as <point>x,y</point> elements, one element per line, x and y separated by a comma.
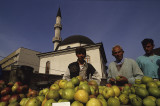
<point>81,56</point>
<point>118,53</point>
<point>148,48</point>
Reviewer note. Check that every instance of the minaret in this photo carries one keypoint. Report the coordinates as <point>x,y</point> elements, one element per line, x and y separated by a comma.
<point>57,27</point>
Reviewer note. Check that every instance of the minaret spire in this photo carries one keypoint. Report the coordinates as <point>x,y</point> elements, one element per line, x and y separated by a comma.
<point>59,12</point>
<point>57,27</point>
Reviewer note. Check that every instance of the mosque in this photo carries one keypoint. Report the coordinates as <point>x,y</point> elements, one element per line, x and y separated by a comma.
<point>57,61</point>
<point>52,65</point>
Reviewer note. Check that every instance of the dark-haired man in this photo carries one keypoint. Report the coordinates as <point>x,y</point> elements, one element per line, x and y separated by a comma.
<point>149,62</point>
<point>81,68</point>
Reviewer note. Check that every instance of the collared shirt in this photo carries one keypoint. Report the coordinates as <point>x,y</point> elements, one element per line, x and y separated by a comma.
<point>129,69</point>
<point>82,73</point>
<point>83,69</point>
<point>119,64</point>
<point>150,65</point>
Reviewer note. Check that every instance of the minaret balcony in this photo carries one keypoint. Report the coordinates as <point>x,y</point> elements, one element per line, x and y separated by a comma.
<point>58,26</point>
<point>56,39</point>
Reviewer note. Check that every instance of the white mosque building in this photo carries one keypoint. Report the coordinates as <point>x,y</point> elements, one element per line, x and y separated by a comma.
<point>57,61</point>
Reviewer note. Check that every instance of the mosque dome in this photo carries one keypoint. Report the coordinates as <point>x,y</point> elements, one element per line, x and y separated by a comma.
<point>77,39</point>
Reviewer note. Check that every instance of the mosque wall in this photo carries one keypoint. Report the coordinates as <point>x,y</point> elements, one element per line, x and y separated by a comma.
<point>59,61</point>
<point>95,59</point>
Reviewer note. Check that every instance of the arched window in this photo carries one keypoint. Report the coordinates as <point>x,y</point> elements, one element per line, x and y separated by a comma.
<point>68,47</point>
<point>87,59</point>
<point>47,67</point>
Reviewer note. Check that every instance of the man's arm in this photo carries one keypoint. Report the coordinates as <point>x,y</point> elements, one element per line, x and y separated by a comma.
<point>66,74</point>
<point>139,63</point>
<point>109,77</point>
<point>96,77</point>
<point>137,73</point>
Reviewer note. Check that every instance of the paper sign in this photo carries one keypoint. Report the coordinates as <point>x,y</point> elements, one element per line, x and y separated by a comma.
<point>61,104</point>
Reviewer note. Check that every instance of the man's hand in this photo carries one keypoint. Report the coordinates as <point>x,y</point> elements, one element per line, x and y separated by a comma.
<point>112,81</point>
<point>121,80</point>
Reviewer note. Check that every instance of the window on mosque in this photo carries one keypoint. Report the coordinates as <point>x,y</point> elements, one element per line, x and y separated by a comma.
<point>87,59</point>
<point>47,67</point>
<point>68,47</point>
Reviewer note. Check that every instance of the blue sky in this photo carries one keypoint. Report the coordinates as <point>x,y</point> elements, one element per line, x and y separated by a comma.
<point>30,23</point>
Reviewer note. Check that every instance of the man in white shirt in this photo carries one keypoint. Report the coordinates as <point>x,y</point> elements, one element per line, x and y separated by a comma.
<point>128,68</point>
<point>81,68</point>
